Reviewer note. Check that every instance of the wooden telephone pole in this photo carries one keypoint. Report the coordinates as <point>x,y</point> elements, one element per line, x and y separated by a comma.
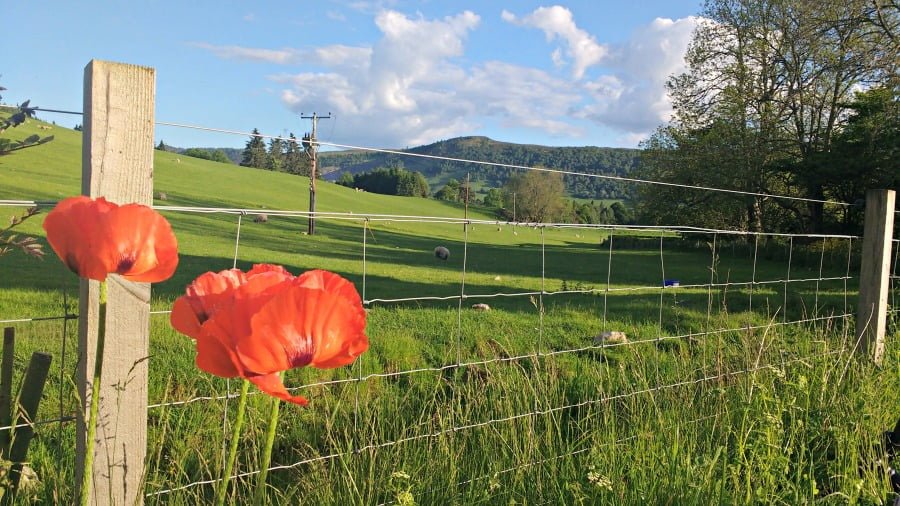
<point>311,148</point>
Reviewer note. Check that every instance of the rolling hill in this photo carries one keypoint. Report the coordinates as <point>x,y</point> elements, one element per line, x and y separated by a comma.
<point>587,159</point>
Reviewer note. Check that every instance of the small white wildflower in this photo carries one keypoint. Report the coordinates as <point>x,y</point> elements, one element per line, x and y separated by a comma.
<point>599,481</point>
<point>399,475</point>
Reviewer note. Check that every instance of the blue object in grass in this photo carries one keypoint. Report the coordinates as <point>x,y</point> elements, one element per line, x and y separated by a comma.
<point>671,282</point>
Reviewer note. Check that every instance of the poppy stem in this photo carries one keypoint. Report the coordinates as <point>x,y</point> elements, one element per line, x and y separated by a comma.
<point>260,493</point>
<point>87,476</point>
<point>232,448</point>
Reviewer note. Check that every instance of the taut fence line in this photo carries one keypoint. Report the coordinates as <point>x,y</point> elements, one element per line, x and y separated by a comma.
<point>117,164</point>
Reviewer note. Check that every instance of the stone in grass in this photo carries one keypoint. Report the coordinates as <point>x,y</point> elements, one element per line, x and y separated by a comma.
<point>481,307</point>
<point>442,253</point>
<point>261,218</point>
<point>610,337</point>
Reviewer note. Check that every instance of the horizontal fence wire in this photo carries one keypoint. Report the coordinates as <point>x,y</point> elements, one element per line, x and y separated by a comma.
<point>517,358</point>
<point>36,423</point>
<point>400,218</point>
<point>469,426</point>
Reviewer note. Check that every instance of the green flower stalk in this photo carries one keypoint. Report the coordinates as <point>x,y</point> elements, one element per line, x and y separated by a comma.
<point>222,490</point>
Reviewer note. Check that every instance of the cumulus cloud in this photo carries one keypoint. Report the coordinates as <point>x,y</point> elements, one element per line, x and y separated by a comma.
<point>637,102</point>
<point>630,96</point>
<point>557,22</point>
<point>414,85</point>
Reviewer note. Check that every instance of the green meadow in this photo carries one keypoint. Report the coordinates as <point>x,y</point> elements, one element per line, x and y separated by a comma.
<point>726,392</point>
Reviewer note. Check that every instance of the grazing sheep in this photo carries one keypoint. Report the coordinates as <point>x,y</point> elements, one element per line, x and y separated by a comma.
<point>442,253</point>
<point>481,307</point>
<point>610,337</point>
<point>162,196</point>
<point>261,218</point>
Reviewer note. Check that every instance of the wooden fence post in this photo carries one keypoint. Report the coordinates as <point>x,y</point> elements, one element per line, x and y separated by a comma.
<point>117,163</point>
<point>871,316</point>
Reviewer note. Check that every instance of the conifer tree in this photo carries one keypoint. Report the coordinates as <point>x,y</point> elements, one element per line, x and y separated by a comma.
<point>255,153</point>
<point>276,155</point>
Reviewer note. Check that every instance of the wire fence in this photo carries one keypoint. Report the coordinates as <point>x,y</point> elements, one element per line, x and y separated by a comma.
<point>827,271</point>
<point>646,293</point>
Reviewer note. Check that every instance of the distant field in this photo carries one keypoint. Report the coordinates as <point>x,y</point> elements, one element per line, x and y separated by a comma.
<point>535,414</point>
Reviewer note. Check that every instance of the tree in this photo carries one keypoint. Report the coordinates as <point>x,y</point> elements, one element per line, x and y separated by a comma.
<point>346,179</point>
<point>767,85</point>
<point>276,155</point>
<point>538,195</point>
<point>411,184</point>
<point>864,154</point>
<point>161,146</point>
<point>217,155</point>
<point>255,152</point>
<point>494,198</point>
<point>449,192</point>
<point>295,159</point>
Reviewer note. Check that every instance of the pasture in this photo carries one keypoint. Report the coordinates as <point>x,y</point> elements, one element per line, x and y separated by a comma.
<point>738,386</point>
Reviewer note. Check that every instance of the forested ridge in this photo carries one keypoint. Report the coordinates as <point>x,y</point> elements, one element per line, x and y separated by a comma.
<point>587,159</point>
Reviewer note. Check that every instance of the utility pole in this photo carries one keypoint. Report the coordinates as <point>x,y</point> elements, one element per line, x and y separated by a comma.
<point>311,148</point>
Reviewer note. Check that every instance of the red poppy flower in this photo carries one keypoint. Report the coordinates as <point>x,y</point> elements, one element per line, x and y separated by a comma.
<point>96,237</point>
<point>258,324</point>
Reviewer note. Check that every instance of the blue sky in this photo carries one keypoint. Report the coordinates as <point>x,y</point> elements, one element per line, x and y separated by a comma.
<point>392,73</point>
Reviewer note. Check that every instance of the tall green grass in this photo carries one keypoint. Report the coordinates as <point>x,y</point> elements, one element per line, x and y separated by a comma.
<point>718,398</point>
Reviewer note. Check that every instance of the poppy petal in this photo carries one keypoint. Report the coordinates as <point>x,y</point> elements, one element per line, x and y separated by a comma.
<point>330,282</point>
<point>263,268</point>
<point>214,351</point>
<point>213,290</point>
<point>252,295</point>
<point>73,232</point>
<point>272,385</point>
<point>302,326</point>
<point>139,244</point>
<point>184,319</point>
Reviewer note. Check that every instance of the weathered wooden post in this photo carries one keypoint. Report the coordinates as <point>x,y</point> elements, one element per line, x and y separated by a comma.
<point>871,316</point>
<point>117,163</point>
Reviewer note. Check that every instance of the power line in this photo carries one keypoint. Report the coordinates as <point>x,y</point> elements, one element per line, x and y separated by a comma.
<point>502,165</point>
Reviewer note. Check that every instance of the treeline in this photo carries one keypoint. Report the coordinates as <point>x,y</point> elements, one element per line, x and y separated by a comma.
<point>388,181</point>
<point>214,154</point>
<point>589,160</point>
<point>280,155</point>
<point>534,196</point>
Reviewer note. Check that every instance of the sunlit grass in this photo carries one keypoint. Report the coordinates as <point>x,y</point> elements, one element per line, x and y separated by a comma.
<point>717,399</point>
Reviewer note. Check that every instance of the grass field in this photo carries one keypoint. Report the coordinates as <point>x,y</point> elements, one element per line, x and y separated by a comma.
<point>712,402</point>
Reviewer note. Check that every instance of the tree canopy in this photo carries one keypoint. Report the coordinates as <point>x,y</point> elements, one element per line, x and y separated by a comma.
<point>765,107</point>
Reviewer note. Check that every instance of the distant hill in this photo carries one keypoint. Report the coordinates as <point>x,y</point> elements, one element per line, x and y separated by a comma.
<point>588,159</point>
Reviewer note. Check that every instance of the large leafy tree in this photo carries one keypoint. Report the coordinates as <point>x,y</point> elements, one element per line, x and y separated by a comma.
<point>767,88</point>
<point>538,195</point>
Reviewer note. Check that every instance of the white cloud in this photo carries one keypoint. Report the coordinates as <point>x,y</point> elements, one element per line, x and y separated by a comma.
<point>637,103</point>
<point>558,22</point>
<point>279,56</point>
<point>414,84</point>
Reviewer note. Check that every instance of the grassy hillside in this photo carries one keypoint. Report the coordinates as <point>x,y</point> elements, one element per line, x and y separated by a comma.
<point>712,401</point>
